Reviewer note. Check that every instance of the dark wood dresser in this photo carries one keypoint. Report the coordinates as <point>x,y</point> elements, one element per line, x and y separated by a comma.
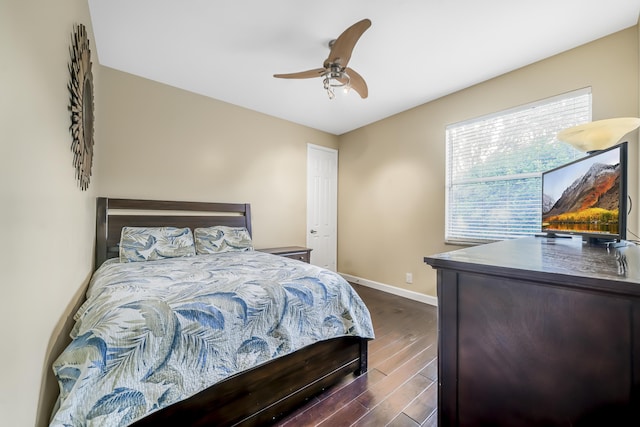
<point>539,332</point>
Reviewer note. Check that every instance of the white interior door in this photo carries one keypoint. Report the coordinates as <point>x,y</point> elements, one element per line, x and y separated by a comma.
<point>322,201</point>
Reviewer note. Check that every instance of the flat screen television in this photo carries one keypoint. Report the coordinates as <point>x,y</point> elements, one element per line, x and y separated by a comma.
<point>587,197</point>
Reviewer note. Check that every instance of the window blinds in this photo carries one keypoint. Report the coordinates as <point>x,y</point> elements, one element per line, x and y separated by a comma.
<point>494,166</point>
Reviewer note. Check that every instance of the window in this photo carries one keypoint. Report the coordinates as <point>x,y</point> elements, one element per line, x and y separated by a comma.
<point>494,166</point>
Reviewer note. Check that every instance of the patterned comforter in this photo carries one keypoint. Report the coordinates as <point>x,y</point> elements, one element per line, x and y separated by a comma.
<point>154,333</point>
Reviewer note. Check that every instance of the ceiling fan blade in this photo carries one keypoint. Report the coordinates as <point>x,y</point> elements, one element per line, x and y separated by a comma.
<point>344,44</point>
<point>357,83</point>
<point>302,74</point>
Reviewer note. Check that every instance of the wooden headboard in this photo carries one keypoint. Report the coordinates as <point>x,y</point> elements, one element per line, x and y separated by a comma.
<point>113,214</point>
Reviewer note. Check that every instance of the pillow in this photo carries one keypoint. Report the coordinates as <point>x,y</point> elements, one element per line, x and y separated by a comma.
<point>221,238</point>
<point>151,243</point>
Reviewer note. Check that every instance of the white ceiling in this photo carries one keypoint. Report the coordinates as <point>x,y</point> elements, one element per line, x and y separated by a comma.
<point>414,52</point>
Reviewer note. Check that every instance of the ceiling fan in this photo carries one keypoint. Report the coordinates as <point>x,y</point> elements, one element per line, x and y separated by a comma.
<point>334,71</point>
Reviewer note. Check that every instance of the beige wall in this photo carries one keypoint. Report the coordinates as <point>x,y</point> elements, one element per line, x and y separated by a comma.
<point>46,254</point>
<point>392,173</point>
<point>160,142</point>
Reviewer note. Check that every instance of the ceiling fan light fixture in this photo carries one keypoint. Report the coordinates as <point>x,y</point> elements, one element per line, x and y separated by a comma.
<point>336,78</point>
<point>327,86</point>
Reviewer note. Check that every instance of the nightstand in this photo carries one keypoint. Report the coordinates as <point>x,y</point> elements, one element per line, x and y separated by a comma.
<point>294,252</point>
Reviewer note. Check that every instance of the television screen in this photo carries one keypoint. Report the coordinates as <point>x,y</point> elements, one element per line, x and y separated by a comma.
<point>588,196</point>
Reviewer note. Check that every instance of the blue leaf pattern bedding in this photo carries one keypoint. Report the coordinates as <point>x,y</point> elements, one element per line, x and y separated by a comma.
<point>154,333</point>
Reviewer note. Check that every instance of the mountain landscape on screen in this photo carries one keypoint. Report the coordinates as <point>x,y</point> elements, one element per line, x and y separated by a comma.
<point>591,200</point>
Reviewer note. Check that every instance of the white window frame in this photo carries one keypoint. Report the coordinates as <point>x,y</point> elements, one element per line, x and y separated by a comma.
<point>465,169</point>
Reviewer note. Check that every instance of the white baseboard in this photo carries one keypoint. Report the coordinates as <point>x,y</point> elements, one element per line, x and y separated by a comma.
<point>416,296</point>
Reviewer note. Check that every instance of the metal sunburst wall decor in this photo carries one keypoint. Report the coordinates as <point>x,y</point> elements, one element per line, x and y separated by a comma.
<point>81,105</point>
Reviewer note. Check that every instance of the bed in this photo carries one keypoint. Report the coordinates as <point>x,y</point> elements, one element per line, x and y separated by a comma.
<point>262,379</point>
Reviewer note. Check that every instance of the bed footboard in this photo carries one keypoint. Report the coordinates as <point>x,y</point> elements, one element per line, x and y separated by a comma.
<point>262,395</point>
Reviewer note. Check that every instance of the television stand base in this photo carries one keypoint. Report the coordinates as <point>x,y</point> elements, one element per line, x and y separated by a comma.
<point>550,235</point>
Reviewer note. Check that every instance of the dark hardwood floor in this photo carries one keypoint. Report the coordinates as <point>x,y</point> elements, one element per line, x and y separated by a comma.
<point>400,388</point>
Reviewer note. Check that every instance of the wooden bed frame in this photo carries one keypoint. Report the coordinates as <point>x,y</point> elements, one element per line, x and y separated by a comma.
<point>262,394</point>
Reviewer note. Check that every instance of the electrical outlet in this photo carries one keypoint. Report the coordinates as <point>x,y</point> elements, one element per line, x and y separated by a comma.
<point>408,278</point>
